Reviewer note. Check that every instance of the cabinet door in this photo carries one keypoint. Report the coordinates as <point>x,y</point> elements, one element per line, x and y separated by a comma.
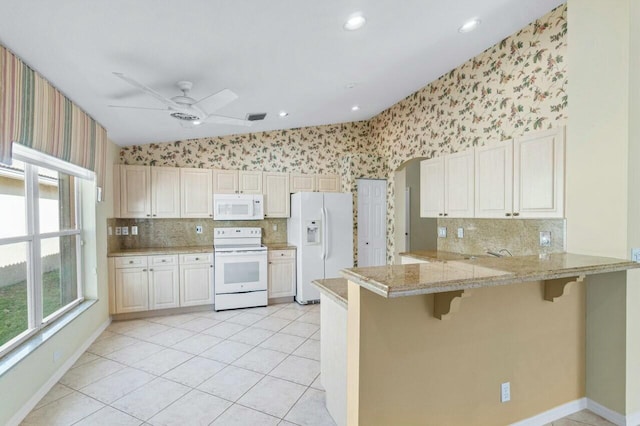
<point>165,192</point>
<point>225,181</point>
<point>432,187</point>
<point>299,182</point>
<point>196,193</point>
<point>276,195</point>
<point>328,183</point>
<point>494,180</point>
<point>196,284</point>
<point>538,175</point>
<point>164,287</point>
<point>250,182</point>
<point>458,184</point>
<point>135,191</point>
<point>132,290</point>
<point>282,278</point>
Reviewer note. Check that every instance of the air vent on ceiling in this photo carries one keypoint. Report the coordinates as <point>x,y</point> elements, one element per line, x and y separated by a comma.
<point>257,116</point>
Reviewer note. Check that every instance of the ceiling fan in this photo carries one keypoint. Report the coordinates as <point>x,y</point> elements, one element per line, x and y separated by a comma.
<point>185,108</point>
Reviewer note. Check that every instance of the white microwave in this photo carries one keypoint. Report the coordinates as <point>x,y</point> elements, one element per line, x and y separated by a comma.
<point>238,207</point>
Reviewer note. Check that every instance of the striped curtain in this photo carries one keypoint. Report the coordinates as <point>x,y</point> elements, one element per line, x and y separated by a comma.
<point>35,114</point>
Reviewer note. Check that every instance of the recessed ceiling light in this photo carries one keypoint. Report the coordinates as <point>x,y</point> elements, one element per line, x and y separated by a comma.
<point>469,26</point>
<point>196,122</point>
<point>283,113</point>
<point>355,108</point>
<point>355,22</point>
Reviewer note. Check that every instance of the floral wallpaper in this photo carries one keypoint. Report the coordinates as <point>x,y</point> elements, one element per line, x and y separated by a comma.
<point>517,86</point>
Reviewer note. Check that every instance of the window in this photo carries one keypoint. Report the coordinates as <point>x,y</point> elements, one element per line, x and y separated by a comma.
<point>40,231</point>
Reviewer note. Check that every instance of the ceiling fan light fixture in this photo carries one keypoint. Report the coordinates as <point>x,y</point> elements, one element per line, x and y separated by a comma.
<point>283,114</point>
<point>355,108</point>
<point>355,22</point>
<point>469,26</point>
<point>196,122</point>
<point>184,116</point>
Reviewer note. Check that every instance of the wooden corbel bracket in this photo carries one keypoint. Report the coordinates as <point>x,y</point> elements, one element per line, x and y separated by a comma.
<point>447,303</point>
<point>553,289</point>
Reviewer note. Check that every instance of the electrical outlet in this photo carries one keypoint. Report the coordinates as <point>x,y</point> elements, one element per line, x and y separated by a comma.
<point>460,232</point>
<point>635,254</point>
<point>109,230</point>
<point>198,229</point>
<point>134,230</point>
<point>125,230</point>
<point>442,232</point>
<point>505,392</point>
<point>545,239</point>
<point>118,230</point>
<point>275,227</point>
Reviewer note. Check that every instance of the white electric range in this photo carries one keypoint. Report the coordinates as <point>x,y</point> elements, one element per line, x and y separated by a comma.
<point>240,272</point>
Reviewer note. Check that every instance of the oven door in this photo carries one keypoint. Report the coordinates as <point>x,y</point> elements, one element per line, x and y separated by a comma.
<point>240,271</point>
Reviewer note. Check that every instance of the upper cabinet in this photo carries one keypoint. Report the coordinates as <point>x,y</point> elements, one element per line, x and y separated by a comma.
<point>446,186</point>
<point>147,192</point>
<point>249,182</point>
<point>276,195</point>
<point>225,181</point>
<point>196,193</point>
<point>328,183</point>
<point>522,178</point>
<point>299,182</point>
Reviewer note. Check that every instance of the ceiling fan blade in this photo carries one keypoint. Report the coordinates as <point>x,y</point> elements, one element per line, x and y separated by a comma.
<point>135,107</point>
<point>149,91</point>
<point>220,119</point>
<point>217,100</point>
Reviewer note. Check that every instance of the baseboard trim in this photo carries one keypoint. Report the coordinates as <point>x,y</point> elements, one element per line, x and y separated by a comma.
<point>44,389</point>
<point>554,413</point>
<point>613,416</point>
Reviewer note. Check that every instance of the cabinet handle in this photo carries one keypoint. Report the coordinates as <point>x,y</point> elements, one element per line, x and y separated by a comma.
<point>148,215</point>
<point>446,214</point>
<point>507,214</point>
<point>516,214</point>
<point>154,215</point>
<point>439,214</point>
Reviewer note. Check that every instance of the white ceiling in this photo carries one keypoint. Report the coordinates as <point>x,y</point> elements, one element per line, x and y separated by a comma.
<point>291,55</point>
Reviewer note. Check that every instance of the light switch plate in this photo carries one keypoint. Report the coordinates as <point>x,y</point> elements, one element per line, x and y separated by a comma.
<point>109,230</point>
<point>134,230</point>
<point>442,232</point>
<point>125,230</point>
<point>545,239</point>
<point>460,232</point>
<point>635,254</point>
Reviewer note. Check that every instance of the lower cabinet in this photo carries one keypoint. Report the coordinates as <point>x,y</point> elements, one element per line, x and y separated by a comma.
<point>282,273</point>
<point>142,283</point>
<point>196,279</point>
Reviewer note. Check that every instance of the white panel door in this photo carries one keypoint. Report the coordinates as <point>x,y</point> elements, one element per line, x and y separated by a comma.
<point>165,192</point>
<point>494,180</point>
<point>225,182</point>
<point>432,187</point>
<point>196,193</point>
<point>458,184</point>
<point>250,182</point>
<point>372,222</point>
<point>164,287</point>
<point>196,284</point>
<point>276,195</point>
<point>539,175</point>
<point>135,191</point>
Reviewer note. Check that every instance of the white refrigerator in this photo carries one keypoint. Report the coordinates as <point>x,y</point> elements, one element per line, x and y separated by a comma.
<point>321,228</point>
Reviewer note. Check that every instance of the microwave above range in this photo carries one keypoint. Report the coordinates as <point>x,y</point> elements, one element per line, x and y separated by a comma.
<point>238,207</point>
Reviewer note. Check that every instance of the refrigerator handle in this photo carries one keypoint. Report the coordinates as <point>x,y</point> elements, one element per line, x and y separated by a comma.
<point>325,243</point>
<point>324,224</point>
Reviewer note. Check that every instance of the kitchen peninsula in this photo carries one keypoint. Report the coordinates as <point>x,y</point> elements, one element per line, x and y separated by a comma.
<point>432,343</point>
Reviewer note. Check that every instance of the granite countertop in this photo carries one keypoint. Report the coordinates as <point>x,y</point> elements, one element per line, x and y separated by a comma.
<point>442,274</point>
<point>151,251</point>
<point>335,288</point>
<point>279,246</point>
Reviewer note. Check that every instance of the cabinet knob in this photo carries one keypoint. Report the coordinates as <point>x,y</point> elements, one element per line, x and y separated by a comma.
<point>366,244</point>
<point>439,214</point>
<point>154,215</point>
<point>210,266</point>
<point>151,270</point>
<point>446,214</point>
<point>130,262</point>
<point>164,260</point>
<point>516,214</point>
<point>210,215</point>
<point>507,214</point>
<point>148,215</point>
<point>144,270</point>
<point>197,258</point>
<point>281,254</point>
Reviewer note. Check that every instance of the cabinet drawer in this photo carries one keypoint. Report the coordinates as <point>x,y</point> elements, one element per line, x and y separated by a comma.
<point>169,260</point>
<point>282,254</point>
<point>131,261</point>
<point>186,259</point>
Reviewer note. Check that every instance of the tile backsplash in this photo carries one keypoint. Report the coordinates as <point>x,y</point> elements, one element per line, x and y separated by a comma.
<point>520,236</point>
<point>182,232</point>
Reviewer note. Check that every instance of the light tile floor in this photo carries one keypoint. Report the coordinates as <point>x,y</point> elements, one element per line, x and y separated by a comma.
<point>258,366</point>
